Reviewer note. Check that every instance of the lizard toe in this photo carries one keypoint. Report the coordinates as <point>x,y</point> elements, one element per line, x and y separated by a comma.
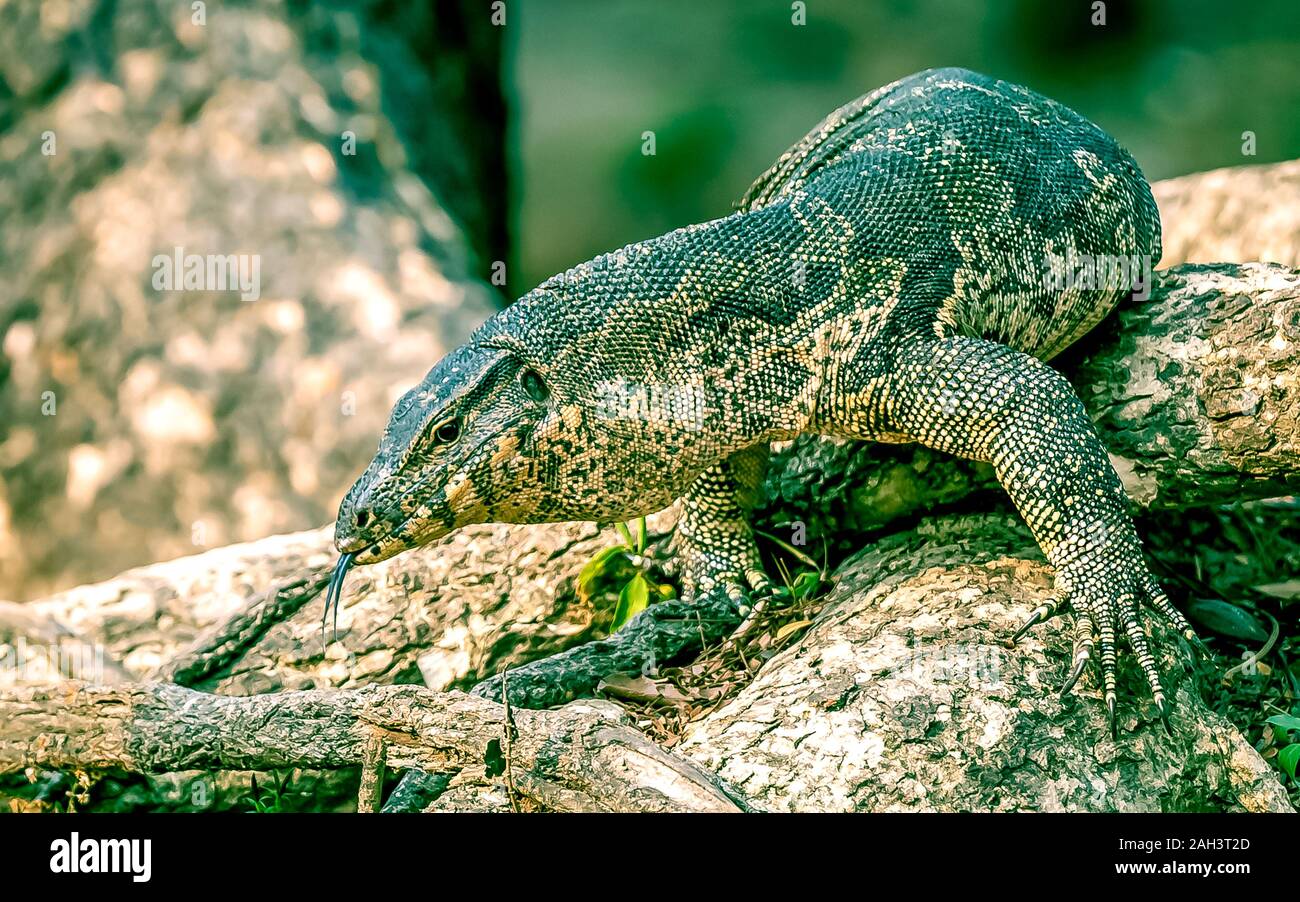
<point>1107,660</point>
<point>1109,609</point>
<point>1084,639</point>
<point>1044,612</point>
<point>1137,642</point>
<point>1157,599</point>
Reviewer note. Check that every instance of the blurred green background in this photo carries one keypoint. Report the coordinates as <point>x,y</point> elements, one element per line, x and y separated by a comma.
<point>728,85</point>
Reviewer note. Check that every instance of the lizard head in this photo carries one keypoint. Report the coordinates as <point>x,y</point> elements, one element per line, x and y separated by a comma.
<point>533,420</point>
<point>453,453</point>
<point>522,424</point>
<point>493,434</point>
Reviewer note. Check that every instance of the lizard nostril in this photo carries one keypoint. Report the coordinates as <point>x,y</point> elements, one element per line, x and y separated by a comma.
<point>363,517</point>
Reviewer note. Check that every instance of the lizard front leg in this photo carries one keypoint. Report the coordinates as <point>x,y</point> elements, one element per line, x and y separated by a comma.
<point>983,400</point>
<point>713,542</point>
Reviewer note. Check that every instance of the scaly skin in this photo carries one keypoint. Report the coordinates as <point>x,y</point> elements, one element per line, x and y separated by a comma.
<point>885,280</point>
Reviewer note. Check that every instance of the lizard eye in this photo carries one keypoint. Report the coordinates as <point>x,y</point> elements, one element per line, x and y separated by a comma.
<point>447,433</point>
<point>533,386</point>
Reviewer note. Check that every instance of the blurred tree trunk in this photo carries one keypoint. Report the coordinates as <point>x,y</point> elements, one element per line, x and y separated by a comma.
<point>1234,215</point>
<point>355,150</point>
<point>447,107</point>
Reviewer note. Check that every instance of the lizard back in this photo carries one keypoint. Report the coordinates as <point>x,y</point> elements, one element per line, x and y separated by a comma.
<point>972,190</point>
<point>930,208</point>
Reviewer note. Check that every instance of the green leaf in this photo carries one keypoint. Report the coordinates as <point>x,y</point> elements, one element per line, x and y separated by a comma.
<point>631,601</point>
<point>1288,758</point>
<point>594,568</point>
<point>625,534</point>
<point>806,584</point>
<point>1285,721</point>
<point>1227,619</point>
<point>802,556</point>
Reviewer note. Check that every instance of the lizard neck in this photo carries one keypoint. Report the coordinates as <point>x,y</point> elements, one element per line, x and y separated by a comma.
<point>698,330</point>
<point>719,305</point>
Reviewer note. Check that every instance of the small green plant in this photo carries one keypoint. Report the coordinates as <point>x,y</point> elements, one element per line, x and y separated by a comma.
<point>270,800</point>
<point>1288,757</point>
<point>626,561</point>
<point>807,579</point>
<point>627,565</point>
<point>803,584</point>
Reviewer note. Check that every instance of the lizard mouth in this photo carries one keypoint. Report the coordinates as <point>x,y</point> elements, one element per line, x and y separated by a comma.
<point>359,545</point>
<point>372,547</point>
<point>436,512</point>
<point>351,551</point>
<point>375,548</point>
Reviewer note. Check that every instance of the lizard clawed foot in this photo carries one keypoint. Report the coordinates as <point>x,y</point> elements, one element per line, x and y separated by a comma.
<point>723,558</point>
<point>1108,601</point>
<point>748,588</point>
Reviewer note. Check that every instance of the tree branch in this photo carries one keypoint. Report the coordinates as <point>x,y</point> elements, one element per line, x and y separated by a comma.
<point>565,760</point>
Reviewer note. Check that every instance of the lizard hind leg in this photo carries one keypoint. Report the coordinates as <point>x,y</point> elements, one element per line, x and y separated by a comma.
<point>713,541</point>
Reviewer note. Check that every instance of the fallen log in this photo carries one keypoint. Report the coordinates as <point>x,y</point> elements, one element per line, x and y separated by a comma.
<point>487,598</point>
<point>572,759</point>
<point>903,696</point>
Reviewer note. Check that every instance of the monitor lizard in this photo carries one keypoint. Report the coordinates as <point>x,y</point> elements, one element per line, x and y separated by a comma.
<point>886,280</point>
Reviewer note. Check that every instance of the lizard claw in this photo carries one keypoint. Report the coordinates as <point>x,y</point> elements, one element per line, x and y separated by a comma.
<point>1137,641</point>
<point>1045,611</point>
<point>1163,708</point>
<point>1082,651</point>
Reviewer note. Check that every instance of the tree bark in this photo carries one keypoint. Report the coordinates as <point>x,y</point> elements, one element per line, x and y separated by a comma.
<point>903,696</point>
<point>572,759</point>
<point>486,598</point>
